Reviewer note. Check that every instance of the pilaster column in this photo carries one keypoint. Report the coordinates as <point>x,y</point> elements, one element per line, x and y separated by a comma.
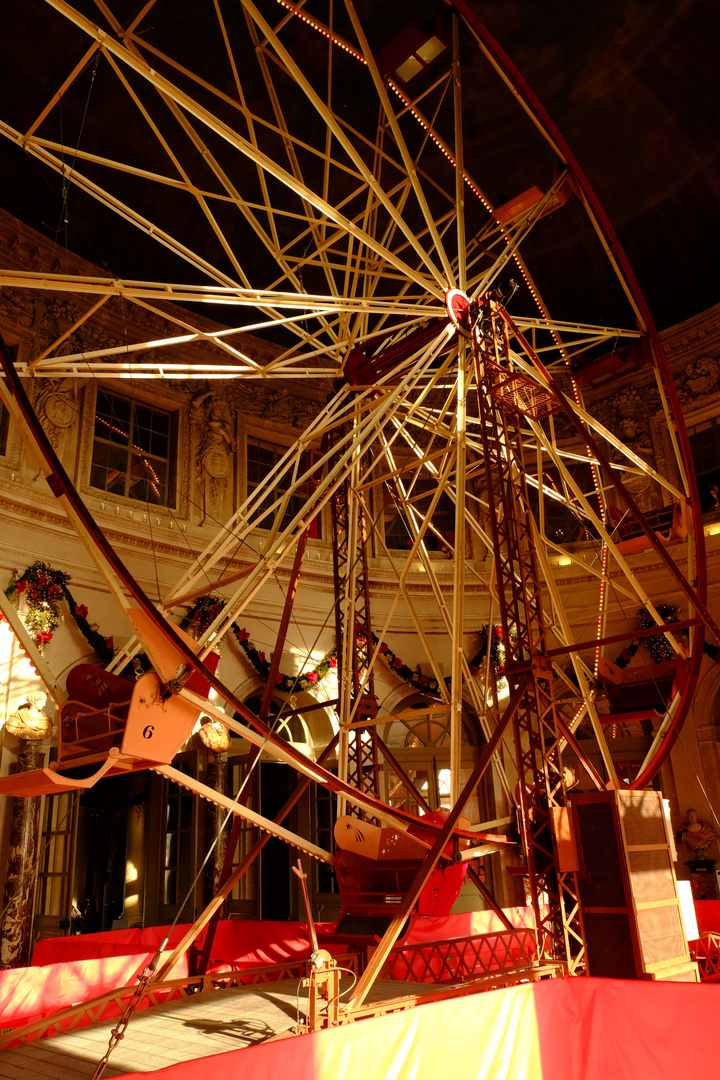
<point>19,893</point>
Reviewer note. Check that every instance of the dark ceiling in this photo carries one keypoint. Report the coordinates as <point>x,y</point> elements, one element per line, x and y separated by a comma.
<point>633,87</point>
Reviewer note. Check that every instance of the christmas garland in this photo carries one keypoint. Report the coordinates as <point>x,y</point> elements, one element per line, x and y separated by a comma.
<point>42,588</point>
<point>207,608</point>
<point>204,612</point>
<point>657,645</point>
<point>428,684</point>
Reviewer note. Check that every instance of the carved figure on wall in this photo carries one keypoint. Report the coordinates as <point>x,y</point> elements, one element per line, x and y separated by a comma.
<point>19,308</point>
<point>216,445</point>
<point>633,431</point>
<point>635,435</point>
<point>59,314</point>
<point>29,721</point>
<point>703,377</point>
<point>56,407</point>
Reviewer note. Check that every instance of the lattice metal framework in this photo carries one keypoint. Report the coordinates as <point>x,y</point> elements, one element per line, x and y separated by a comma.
<point>541,789</point>
<point>453,959</point>
<point>356,680</point>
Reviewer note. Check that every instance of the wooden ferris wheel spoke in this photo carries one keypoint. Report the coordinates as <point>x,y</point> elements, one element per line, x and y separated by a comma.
<point>605,535</point>
<point>347,145</point>
<point>315,225</point>
<point>246,148</point>
<point>346,449</point>
<point>691,594</point>
<point>580,674</point>
<point>116,205</point>
<point>417,526</point>
<point>234,806</point>
<point>400,142</point>
<point>231,294</point>
<point>513,238</point>
<point>86,364</point>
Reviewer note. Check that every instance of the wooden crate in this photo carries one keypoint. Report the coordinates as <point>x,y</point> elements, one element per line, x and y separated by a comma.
<point>628,889</point>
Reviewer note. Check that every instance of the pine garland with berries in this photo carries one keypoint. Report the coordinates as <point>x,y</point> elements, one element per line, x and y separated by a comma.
<point>41,588</point>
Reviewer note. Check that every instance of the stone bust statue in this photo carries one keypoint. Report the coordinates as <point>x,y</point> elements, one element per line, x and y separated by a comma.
<point>29,721</point>
<point>698,835</point>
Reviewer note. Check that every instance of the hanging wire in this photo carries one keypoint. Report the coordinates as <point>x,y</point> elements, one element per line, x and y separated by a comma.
<point>700,783</point>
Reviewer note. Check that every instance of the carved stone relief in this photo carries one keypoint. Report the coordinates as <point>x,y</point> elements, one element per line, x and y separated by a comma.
<point>18,308</point>
<point>212,420</point>
<point>699,380</point>
<point>56,405</point>
<point>58,315</point>
<point>277,405</point>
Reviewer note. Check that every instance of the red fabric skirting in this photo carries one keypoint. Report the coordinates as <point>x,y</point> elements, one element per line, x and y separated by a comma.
<point>106,943</point>
<point>241,941</point>
<point>74,969</point>
<point>707,913</point>
<point>562,1029</point>
<point>29,994</point>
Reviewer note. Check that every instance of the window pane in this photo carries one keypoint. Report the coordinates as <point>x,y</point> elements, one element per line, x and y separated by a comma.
<point>705,447</point>
<point>261,459</point>
<point>108,468</point>
<point>133,450</point>
<point>397,534</point>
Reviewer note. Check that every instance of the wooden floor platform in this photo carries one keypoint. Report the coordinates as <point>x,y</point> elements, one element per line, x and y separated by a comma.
<point>208,1023</point>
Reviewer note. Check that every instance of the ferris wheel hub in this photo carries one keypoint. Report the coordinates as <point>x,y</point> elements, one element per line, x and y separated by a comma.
<point>462,311</point>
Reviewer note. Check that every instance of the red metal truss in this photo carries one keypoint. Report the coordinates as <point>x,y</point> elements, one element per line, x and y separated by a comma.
<point>353,635</point>
<point>457,959</point>
<point>541,790</point>
<point>706,952</point>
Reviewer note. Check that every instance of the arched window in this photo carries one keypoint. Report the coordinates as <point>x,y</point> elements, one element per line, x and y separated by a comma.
<point>418,724</point>
<point>286,723</point>
<point>419,738</point>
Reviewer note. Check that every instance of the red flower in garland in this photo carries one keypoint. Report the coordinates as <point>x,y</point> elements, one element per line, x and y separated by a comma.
<point>278,678</point>
<point>397,663</point>
<point>261,657</point>
<point>332,662</point>
<point>21,586</point>
<point>384,648</point>
<point>43,637</point>
<point>311,676</point>
<point>242,635</point>
<point>474,670</point>
<point>109,643</point>
<point>81,611</point>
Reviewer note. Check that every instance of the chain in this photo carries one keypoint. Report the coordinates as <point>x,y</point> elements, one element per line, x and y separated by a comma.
<point>118,1031</point>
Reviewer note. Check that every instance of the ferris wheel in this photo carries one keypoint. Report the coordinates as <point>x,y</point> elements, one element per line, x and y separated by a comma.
<point>321,176</point>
